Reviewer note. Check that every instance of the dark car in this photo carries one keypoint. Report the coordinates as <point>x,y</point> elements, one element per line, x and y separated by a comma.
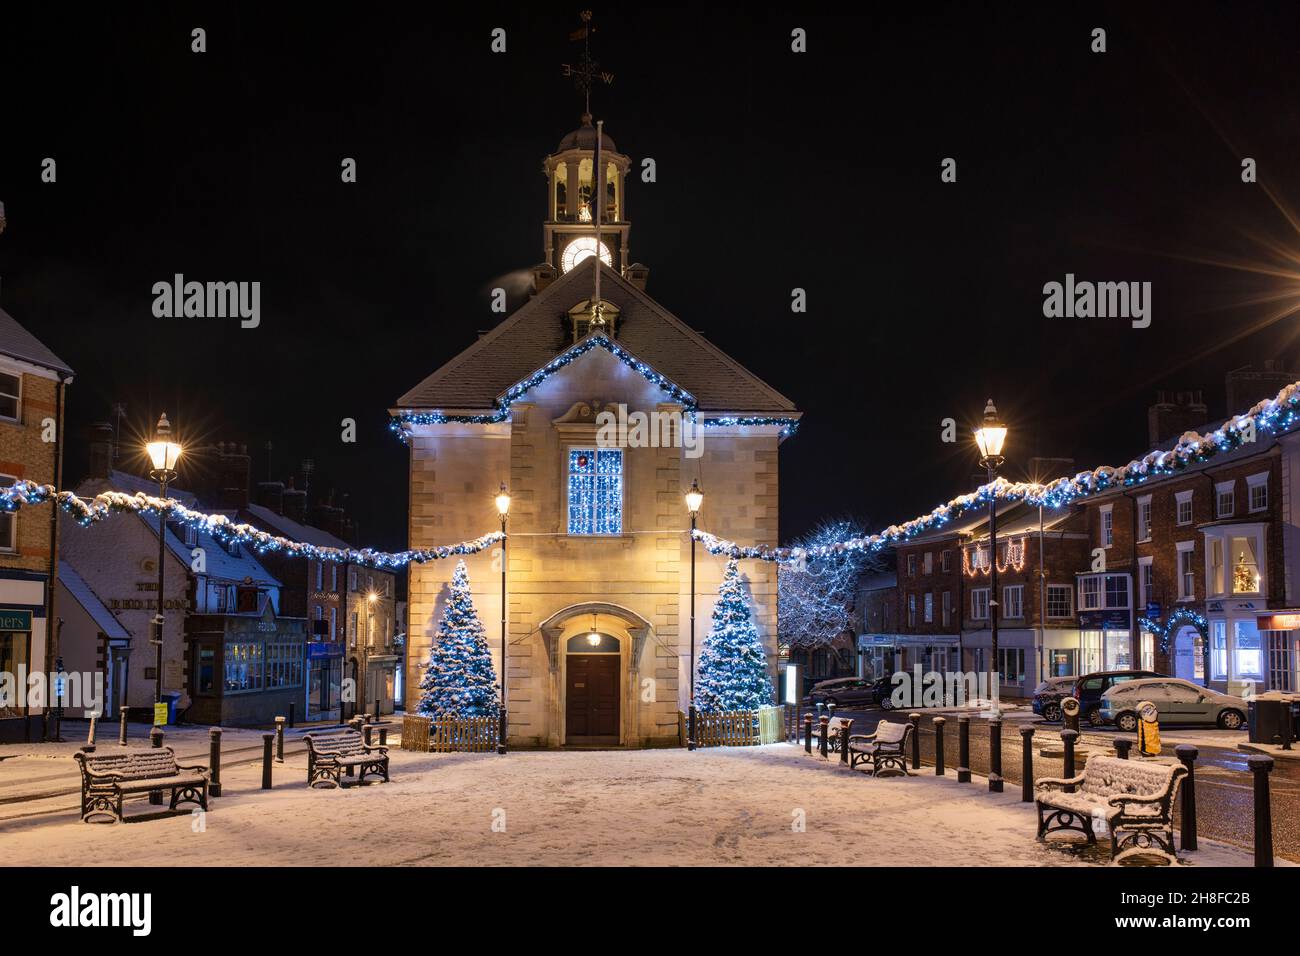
<point>1049,694</point>
<point>1089,688</point>
<point>847,692</point>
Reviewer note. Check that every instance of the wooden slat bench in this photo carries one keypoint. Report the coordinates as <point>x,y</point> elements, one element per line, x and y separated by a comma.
<point>108,777</point>
<point>885,749</point>
<point>1135,796</point>
<point>332,752</point>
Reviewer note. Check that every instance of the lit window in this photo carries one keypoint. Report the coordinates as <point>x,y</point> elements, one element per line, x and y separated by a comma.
<point>1258,485</point>
<point>1186,576</point>
<point>8,521</point>
<point>595,491</point>
<point>1144,519</point>
<point>929,608</point>
<point>1184,499</point>
<point>911,610</point>
<point>1107,528</point>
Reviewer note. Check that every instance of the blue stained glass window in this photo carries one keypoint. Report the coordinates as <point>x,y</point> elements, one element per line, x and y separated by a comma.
<point>595,491</point>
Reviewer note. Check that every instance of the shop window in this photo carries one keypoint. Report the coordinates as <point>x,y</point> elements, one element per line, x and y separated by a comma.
<point>1148,651</point>
<point>14,651</point>
<point>1247,652</point>
<point>1090,650</point>
<point>205,680</point>
<point>284,656</point>
<point>243,666</point>
<point>1011,665</point>
<point>1119,652</point>
<point>1060,662</point>
<point>1218,650</point>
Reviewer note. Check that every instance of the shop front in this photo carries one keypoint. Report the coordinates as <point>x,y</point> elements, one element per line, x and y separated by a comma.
<point>1238,650</point>
<point>324,681</point>
<point>1281,636</point>
<point>245,669</point>
<point>1017,661</point>
<point>20,718</point>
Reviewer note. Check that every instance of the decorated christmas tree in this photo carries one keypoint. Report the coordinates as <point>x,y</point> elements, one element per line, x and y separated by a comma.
<point>460,681</point>
<point>733,666</point>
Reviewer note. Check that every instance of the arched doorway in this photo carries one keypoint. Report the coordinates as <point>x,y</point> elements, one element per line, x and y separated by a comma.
<point>1189,654</point>
<point>592,711</point>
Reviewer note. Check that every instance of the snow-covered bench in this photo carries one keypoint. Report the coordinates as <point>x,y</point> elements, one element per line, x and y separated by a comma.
<point>332,752</point>
<point>837,730</point>
<point>108,777</point>
<point>1131,795</point>
<point>885,749</point>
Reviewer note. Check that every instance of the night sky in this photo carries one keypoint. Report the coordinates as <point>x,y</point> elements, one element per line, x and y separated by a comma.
<point>775,171</point>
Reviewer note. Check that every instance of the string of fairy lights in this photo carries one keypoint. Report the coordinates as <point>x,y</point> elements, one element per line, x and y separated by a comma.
<point>1270,416</point>
<point>402,423</point>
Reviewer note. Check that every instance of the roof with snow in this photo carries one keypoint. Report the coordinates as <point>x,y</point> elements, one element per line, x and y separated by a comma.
<point>17,342</point>
<point>539,330</point>
<point>275,523</point>
<point>84,595</point>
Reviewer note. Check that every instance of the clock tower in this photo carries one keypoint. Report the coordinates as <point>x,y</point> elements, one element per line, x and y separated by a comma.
<point>573,188</point>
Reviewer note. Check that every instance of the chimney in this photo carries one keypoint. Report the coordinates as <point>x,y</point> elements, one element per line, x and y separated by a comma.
<point>1171,415</point>
<point>270,494</point>
<point>295,504</point>
<point>101,450</point>
<point>233,469</point>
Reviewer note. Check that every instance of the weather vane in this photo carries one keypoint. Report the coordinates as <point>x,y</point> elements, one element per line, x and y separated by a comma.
<point>587,71</point>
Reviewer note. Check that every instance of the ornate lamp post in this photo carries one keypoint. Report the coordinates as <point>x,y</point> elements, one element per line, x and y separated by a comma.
<point>163,455</point>
<point>990,437</point>
<point>694,498</point>
<point>503,509</point>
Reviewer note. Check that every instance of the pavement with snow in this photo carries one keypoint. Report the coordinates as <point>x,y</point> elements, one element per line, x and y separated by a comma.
<point>726,806</point>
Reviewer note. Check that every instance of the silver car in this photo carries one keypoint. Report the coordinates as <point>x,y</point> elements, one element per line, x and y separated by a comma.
<point>1177,701</point>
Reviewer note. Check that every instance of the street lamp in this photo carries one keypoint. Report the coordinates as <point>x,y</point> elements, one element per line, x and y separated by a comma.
<point>503,509</point>
<point>163,455</point>
<point>990,437</point>
<point>694,498</point>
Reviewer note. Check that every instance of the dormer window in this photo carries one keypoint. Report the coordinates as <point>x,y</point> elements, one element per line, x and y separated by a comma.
<point>580,319</point>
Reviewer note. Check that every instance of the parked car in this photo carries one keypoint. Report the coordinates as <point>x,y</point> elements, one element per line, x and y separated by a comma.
<point>1177,701</point>
<point>848,692</point>
<point>1089,688</point>
<point>1049,694</point>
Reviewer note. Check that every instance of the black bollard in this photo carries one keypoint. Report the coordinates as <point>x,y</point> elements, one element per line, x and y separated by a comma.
<point>822,723</point>
<point>1122,746</point>
<point>378,711</point>
<point>383,736</point>
<point>1187,756</point>
<point>916,739</point>
<point>995,755</point>
<point>156,742</point>
<point>1261,766</point>
<point>938,745</point>
<point>1027,765</point>
<point>807,733</point>
<point>279,740</point>
<point>214,760</point>
<point>1288,730</point>
<point>121,733</point>
<point>366,731</point>
<point>267,741</point>
<point>292,707</point>
<point>1068,738</point>
<point>963,750</point>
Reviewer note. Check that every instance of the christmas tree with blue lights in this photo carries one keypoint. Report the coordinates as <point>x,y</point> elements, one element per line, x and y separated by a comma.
<point>732,671</point>
<point>460,681</point>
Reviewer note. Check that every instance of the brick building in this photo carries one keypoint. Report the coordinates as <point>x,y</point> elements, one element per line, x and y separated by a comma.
<point>33,381</point>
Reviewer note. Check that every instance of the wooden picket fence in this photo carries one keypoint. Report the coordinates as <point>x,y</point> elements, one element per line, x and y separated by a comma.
<point>740,728</point>
<point>449,734</point>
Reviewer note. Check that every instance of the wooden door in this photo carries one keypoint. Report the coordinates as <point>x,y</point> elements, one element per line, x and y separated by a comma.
<point>592,699</point>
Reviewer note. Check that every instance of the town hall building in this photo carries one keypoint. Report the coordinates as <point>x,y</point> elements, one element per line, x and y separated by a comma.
<point>598,594</point>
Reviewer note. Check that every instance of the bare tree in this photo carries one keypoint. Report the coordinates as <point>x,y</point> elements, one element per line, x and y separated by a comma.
<point>816,598</point>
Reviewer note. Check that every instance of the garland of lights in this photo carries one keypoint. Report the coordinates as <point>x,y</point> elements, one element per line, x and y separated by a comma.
<point>1273,415</point>
<point>401,423</point>
<point>109,503</point>
<point>1176,619</point>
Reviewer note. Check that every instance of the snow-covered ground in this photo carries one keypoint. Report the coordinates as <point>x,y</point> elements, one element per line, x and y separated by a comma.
<point>753,806</point>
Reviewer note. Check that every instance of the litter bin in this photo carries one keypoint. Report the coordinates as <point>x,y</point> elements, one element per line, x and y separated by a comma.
<point>1268,720</point>
<point>170,698</point>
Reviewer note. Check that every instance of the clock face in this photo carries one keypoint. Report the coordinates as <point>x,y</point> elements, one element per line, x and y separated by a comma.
<point>584,247</point>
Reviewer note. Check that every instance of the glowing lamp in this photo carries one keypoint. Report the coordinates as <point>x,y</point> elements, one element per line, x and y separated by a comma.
<point>991,435</point>
<point>694,497</point>
<point>163,452</point>
<point>503,501</point>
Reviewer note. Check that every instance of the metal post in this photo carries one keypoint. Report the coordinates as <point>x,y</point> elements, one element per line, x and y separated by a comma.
<point>844,740</point>
<point>214,760</point>
<point>1026,764</point>
<point>1122,746</point>
<point>916,740</point>
<point>366,732</point>
<point>156,742</point>
<point>963,749</point>
<point>158,618</point>
<point>823,723</point>
<point>379,711</point>
<point>938,745</point>
<point>121,733</point>
<point>267,740</point>
<point>995,753</point>
<point>994,691</point>
<point>807,733</point>
<point>292,708</point>
<point>1187,756</point>
<point>279,740</point>
<point>690,708</point>
<point>503,729</point>
<point>830,709</point>
<point>1068,737</point>
<point>1261,766</point>
<point>383,736</point>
